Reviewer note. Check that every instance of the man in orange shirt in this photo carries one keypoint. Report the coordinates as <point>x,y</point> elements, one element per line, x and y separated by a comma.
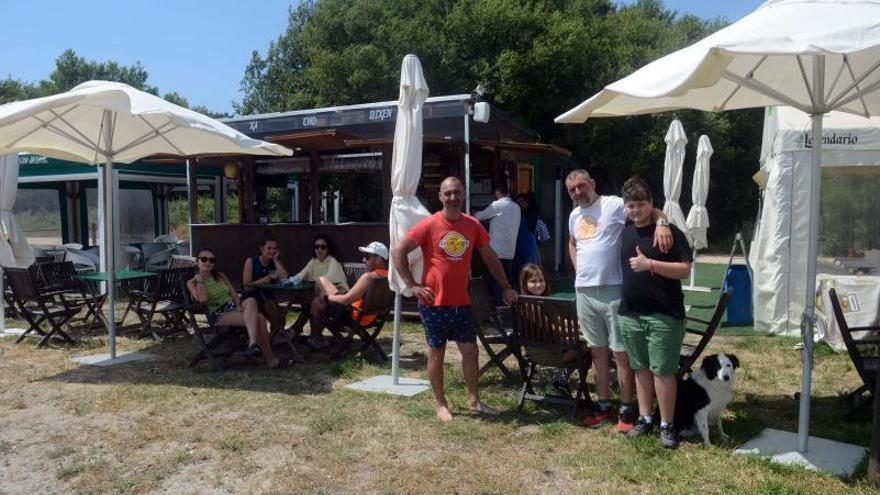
<point>448,239</point>
<point>376,262</point>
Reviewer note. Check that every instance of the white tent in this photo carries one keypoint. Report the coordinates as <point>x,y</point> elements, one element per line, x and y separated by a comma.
<point>778,254</point>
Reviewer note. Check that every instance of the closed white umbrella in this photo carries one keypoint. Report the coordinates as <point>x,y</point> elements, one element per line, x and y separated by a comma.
<point>698,217</point>
<point>673,166</point>
<point>105,122</point>
<point>14,248</point>
<point>406,172</point>
<point>814,55</point>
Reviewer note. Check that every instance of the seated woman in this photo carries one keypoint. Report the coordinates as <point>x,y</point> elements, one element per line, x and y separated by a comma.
<point>265,268</point>
<point>225,308</point>
<point>322,264</point>
<point>376,261</point>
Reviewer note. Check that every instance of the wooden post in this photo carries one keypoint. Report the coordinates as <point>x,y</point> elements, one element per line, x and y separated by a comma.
<point>242,193</point>
<point>193,188</point>
<point>874,454</point>
<point>314,186</point>
<point>387,193</point>
<point>246,193</point>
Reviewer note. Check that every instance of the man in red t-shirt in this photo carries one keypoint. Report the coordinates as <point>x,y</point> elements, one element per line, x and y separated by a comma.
<point>448,239</point>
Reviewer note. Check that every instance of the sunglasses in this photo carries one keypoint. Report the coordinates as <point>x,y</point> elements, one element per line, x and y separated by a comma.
<point>207,259</point>
<point>320,246</point>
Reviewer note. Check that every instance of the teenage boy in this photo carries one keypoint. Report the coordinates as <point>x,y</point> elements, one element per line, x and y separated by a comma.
<point>651,314</point>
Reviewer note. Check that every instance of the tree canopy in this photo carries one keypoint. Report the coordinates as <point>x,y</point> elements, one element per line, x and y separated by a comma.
<point>536,58</point>
<point>71,70</point>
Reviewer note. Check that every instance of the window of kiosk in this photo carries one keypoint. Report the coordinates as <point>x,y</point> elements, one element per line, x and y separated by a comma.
<point>38,212</point>
<point>351,189</point>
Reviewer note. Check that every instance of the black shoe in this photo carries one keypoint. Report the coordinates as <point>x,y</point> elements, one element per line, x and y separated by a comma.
<point>252,351</point>
<point>283,363</point>
<point>668,437</point>
<point>641,429</point>
<point>560,383</point>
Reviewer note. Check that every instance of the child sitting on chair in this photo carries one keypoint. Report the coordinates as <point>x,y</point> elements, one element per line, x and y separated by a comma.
<point>533,282</point>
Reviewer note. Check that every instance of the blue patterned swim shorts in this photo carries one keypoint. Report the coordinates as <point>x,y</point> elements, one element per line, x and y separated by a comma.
<point>445,323</point>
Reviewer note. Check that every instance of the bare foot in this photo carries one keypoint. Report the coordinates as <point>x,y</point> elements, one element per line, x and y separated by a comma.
<point>481,408</point>
<point>444,414</point>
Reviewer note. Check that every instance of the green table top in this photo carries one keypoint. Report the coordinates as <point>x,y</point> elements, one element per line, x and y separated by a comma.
<point>283,287</point>
<point>118,275</point>
<point>568,296</point>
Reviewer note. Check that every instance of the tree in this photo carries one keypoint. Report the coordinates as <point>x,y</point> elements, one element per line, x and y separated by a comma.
<point>71,70</point>
<point>537,58</point>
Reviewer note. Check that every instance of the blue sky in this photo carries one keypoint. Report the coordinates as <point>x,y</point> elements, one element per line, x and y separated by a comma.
<point>196,48</point>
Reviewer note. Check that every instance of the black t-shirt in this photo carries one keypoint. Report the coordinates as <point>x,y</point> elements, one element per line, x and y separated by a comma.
<point>644,293</point>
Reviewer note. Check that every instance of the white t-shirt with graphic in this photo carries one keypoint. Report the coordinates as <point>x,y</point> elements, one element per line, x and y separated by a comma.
<point>597,231</point>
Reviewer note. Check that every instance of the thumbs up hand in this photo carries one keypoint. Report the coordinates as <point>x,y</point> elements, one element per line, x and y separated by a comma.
<point>639,262</point>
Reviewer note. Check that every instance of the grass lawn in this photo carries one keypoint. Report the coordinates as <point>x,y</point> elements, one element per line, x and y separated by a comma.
<point>159,427</point>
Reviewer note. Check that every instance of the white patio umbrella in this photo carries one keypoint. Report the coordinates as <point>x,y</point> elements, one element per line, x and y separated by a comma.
<point>673,167</point>
<point>14,248</point>
<point>406,171</point>
<point>814,55</point>
<point>698,217</point>
<point>102,122</point>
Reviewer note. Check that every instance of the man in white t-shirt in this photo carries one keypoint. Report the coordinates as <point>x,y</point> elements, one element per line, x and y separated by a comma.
<point>504,216</point>
<point>595,227</point>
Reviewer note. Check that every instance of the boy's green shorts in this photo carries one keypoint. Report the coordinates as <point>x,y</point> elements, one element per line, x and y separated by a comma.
<point>652,341</point>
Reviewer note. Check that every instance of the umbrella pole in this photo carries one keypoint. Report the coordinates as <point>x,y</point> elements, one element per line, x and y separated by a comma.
<point>109,241</point>
<point>467,163</point>
<point>395,341</point>
<point>812,253</point>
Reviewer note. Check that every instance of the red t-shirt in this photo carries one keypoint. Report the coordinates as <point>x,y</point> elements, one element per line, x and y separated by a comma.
<point>447,248</point>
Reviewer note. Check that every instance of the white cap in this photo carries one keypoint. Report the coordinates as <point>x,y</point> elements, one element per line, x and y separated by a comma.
<point>376,248</point>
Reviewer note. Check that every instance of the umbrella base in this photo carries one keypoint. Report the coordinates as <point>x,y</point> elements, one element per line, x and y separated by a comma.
<point>779,446</point>
<point>406,387</point>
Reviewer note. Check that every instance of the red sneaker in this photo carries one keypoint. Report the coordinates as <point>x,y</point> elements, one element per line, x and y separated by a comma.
<point>626,420</point>
<point>596,418</point>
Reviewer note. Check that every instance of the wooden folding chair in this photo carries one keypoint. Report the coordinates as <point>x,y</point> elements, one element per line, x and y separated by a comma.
<point>496,328</point>
<point>864,352</point>
<point>39,307</point>
<point>353,272</point>
<point>162,298</point>
<point>376,306</point>
<point>182,261</point>
<point>216,343</point>
<point>698,333</point>
<point>547,329</point>
<point>61,278</point>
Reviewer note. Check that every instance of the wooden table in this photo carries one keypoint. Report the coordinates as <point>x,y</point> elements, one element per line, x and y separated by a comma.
<point>301,294</point>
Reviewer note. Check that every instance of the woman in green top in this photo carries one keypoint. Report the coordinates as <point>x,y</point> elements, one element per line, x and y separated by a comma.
<point>225,308</point>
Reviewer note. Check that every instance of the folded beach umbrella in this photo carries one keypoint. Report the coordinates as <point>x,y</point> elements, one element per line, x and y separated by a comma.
<point>673,167</point>
<point>698,217</point>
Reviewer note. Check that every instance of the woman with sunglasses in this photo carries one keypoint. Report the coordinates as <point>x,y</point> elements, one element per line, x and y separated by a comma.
<point>265,268</point>
<point>225,308</point>
<point>322,264</point>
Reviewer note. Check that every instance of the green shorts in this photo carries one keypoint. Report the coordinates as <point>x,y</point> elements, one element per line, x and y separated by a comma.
<point>652,341</point>
<point>597,316</point>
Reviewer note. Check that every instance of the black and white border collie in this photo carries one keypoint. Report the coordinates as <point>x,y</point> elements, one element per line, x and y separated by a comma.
<point>705,395</point>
